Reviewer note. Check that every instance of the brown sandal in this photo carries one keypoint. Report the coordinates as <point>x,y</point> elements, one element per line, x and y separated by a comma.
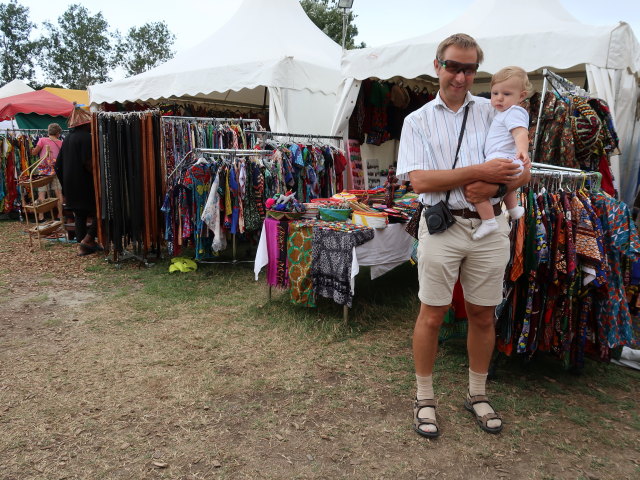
<point>419,421</point>
<point>470,401</point>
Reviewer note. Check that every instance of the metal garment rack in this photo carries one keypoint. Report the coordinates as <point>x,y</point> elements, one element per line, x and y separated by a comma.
<point>17,131</point>
<point>232,153</point>
<point>558,172</point>
<point>297,135</point>
<point>213,119</point>
<point>309,136</point>
<point>553,79</point>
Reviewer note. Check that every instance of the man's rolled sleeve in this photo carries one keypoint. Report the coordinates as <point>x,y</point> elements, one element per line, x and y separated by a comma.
<point>412,153</point>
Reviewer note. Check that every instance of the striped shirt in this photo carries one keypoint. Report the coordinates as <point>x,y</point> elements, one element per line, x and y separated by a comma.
<point>430,138</point>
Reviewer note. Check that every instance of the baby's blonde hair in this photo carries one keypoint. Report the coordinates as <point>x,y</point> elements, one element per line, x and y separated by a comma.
<point>508,72</point>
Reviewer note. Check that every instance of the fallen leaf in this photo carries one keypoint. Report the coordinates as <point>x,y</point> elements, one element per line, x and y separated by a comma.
<point>160,464</point>
<point>216,464</point>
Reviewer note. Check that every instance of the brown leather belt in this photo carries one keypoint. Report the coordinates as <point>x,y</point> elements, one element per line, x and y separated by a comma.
<point>466,213</point>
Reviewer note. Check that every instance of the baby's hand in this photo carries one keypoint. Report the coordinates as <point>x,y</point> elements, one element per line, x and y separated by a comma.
<point>524,158</point>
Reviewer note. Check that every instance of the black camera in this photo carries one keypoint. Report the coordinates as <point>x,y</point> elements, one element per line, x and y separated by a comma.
<point>438,217</point>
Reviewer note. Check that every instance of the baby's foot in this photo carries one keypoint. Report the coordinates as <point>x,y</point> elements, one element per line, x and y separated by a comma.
<point>485,228</point>
<point>516,212</point>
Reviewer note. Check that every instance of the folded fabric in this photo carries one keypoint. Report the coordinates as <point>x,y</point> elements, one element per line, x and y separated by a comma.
<point>182,264</point>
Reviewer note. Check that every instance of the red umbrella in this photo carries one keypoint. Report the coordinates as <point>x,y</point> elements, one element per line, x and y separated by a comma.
<point>40,102</point>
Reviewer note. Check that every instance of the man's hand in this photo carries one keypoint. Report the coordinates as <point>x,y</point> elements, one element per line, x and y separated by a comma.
<point>499,170</point>
<point>477,192</point>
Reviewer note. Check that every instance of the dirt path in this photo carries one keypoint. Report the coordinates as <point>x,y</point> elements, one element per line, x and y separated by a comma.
<point>104,378</point>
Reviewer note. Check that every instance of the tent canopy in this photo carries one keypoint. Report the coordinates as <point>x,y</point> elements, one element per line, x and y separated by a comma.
<point>544,34</point>
<point>532,35</point>
<point>40,102</point>
<point>14,87</point>
<point>81,97</point>
<point>270,46</point>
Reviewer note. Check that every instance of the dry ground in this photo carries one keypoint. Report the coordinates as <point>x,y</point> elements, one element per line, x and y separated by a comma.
<point>132,373</point>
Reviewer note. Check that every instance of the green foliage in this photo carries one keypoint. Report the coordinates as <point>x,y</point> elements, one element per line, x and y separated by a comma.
<point>17,52</point>
<point>79,49</point>
<point>146,47</point>
<point>329,18</point>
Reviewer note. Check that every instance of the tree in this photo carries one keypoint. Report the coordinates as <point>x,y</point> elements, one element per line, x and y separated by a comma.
<point>145,47</point>
<point>79,49</point>
<point>17,51</point>
<point>328,18</point>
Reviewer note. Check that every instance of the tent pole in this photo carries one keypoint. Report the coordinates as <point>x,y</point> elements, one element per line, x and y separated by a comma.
<point>542,95</point>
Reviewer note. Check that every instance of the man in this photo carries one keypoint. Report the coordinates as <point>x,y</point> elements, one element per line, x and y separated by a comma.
<point>428,145</point>
<point>75,172</point>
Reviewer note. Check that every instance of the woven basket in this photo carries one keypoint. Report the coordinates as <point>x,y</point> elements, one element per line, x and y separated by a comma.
<point>334,214</point>
<point>371,219</point>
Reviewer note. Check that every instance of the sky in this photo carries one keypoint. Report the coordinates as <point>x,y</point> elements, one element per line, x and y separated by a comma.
<point>378,21</point>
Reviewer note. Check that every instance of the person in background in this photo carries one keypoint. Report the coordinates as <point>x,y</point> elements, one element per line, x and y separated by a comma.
<point>508,137</point>
<point>429,142</point>
<point>48,149</point>
<point>75,171</point>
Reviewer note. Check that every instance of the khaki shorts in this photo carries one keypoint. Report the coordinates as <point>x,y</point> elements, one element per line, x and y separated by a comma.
<point>480,263</point>
<point>52,187</point>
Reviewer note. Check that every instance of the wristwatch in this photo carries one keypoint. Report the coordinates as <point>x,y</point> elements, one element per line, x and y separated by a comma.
<point>502,191</point>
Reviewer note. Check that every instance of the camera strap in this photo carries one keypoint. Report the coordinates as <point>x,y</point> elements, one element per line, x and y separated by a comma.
<point>464,123</point>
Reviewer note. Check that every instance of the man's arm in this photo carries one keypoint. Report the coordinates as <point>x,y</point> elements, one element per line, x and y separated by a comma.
<point>499,170</point>
<point>476,192</point>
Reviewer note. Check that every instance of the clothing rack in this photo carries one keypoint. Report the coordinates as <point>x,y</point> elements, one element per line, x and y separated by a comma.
<point>545,166</point>
<point>560,173</point>
<point>233,152</point>
<point>553,79</point>
<point>212,119</point>
<point>298,135</point>
<point>38,130</point>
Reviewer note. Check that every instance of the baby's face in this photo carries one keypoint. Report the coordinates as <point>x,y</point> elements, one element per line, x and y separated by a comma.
<point>508,93</point>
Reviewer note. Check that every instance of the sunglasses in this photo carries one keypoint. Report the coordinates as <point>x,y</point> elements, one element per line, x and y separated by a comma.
<point>454,67</point>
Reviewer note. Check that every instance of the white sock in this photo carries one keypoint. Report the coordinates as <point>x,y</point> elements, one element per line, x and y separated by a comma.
<point>425,392</point>
<point>477,386</point>
<point>516,212</point>
<point>485,228</point>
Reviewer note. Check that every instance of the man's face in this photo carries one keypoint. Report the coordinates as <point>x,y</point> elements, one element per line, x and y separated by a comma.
<point>456,82</point>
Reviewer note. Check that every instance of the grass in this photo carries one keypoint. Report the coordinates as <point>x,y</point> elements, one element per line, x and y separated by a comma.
<point>201,367</point>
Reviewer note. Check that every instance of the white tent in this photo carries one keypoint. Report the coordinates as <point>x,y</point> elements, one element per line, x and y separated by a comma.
<point>266,47</point>
<point>14,87</point>
<point>533,35</point>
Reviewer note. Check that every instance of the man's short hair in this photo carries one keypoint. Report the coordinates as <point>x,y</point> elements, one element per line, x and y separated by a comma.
<point>54,129</point>
<point>460,40</point>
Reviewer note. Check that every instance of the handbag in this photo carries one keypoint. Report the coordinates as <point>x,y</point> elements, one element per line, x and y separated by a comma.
<point>438,217</point>
<point>412,225</point>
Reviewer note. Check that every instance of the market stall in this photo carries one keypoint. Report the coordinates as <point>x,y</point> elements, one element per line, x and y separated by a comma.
<point>607,56</point>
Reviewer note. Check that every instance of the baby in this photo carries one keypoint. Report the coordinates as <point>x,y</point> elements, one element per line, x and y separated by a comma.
<point>508,137</point>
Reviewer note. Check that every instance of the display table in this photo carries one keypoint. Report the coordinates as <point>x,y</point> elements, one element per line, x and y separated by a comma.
<point>389,248</point>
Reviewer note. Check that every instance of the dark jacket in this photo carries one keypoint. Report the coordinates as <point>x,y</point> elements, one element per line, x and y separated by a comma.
<point>75,170</point>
